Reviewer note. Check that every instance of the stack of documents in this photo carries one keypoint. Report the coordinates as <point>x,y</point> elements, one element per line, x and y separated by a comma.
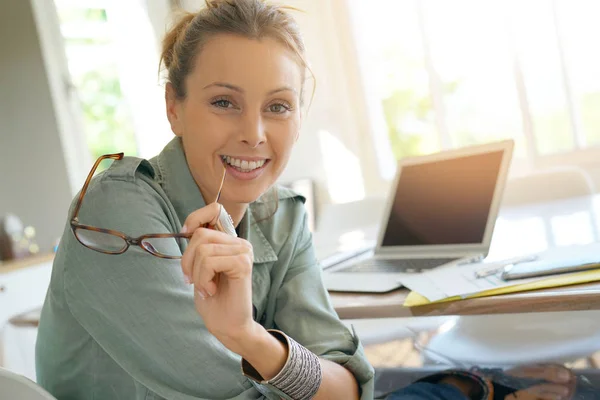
<point>456,282</point>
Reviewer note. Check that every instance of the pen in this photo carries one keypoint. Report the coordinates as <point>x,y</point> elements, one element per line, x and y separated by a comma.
<point>484,272</point>
<point>471,260</point>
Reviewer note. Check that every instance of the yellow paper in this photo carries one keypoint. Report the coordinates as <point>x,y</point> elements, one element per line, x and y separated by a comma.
<point>415,299</point>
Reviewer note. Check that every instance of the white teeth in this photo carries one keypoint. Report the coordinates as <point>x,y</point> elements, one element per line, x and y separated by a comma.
<point>243,165</point>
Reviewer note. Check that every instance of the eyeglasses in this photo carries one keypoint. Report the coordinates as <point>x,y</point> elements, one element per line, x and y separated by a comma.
<point>108,241</point>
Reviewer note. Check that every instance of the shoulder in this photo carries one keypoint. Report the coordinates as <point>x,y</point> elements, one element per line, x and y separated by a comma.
<point>123,193</point>
<point>278,206</point>
<point>284,193</point>
<point>130,169</point>
<point>281,216</point>
<point>281,194</point>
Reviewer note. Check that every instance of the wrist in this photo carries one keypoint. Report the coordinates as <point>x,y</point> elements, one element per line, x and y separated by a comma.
<point>263,351</point>
<point>300,376</point>
<point>241,339</point>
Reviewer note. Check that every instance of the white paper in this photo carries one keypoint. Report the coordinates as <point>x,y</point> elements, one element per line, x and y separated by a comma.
<point>460,280</point>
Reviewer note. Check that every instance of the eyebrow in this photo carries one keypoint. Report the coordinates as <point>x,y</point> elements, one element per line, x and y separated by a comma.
<point>240,90</point>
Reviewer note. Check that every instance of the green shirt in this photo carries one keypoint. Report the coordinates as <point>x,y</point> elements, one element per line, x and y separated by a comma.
<point>125,326</point>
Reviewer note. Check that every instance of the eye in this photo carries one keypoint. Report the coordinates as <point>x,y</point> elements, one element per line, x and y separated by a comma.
<point>279,108</point>
<point>222,103</point>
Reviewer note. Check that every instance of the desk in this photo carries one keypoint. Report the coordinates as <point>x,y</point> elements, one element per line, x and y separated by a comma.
<point>17,265</point>
<point>519,230</point>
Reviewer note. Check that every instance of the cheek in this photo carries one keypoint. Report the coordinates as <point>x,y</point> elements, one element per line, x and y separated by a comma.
<point>205,128</point>
<point>282,140</point>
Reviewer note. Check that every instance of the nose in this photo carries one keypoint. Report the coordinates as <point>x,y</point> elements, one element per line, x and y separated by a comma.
<point>253,130</point>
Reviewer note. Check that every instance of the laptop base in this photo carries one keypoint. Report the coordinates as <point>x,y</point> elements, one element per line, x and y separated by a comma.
<point>360,283</point>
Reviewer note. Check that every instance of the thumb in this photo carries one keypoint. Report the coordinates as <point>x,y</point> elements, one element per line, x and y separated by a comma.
<point>201,217</point>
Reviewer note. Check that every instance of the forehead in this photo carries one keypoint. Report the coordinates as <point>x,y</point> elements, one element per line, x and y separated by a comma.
<point>246,62</point>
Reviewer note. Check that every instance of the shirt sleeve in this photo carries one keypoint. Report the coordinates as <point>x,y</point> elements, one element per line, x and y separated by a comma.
<point>304,311</point>
<point>138,308</point>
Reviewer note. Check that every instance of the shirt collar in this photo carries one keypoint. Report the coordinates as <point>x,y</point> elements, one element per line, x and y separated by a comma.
<point>176,179</point>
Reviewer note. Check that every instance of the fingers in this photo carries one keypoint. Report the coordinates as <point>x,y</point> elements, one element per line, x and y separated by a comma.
<point>550,373</point>
<point>205,272</point>
<point>201,217</point>
<point>546,391</point>
<point>210,253</point>
<point>207,236</point>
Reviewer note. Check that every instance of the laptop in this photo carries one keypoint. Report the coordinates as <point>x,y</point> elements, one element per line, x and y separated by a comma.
<point>442,210</point>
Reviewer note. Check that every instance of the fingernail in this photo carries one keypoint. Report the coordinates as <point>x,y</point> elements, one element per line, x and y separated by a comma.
<point>564,376</point>
<point>184,229</point>
<point>187,279</point>
<point>199,293</point>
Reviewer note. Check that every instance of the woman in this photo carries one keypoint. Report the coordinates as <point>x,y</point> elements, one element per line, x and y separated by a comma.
<point>159,318</point>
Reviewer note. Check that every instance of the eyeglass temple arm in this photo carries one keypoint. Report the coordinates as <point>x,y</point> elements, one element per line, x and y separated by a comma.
<point>221,185</point>
<point>116,156</point>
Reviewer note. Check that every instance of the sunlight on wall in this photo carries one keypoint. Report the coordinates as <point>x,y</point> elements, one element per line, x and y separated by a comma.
<point>342,167</point>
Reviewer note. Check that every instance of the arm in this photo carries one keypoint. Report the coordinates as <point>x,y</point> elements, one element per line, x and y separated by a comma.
<point>138,308</point>
<point>220,266</point>
<point>299,306</point>
<point>338,382</point>
<point>303,311</point>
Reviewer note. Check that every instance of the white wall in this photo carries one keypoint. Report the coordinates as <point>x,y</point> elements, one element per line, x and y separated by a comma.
<point>34,183</point>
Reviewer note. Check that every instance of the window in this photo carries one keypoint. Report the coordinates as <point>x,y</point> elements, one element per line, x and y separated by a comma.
<point>461,72</point>
<point>93,66</point>
<point>113,52</point>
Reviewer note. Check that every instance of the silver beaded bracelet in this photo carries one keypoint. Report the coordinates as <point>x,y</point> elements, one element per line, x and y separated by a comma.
<point>301,375</point>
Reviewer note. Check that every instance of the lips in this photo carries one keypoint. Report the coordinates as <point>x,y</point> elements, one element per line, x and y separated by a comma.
<point>244,164</point>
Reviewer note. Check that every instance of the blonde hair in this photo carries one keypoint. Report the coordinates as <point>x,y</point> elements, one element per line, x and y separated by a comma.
<point>252,19</point>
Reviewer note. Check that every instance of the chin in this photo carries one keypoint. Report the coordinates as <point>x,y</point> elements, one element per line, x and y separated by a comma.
<point>245,196</point>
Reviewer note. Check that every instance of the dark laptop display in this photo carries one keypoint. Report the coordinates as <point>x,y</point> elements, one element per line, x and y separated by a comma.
<point>443,202</point>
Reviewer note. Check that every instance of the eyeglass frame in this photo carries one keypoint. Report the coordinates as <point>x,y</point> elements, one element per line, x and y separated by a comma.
<point>129,241</point>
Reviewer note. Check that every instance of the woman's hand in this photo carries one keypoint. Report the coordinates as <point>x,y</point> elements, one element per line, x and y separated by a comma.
<point>220,268</point>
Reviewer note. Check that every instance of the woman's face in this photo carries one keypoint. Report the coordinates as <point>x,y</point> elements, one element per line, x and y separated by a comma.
<point>241,111</point>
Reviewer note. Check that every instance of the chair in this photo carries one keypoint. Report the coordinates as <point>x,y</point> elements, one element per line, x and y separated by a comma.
<point>511,339</point>
<point>19,336</point>
<point>502,340</point>
<point>547,185</point>
<point>543,188</point>
<point>15,386</point>
<point>381,330</point>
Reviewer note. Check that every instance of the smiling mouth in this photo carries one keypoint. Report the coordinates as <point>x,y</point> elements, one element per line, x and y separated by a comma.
<point>243,165</point>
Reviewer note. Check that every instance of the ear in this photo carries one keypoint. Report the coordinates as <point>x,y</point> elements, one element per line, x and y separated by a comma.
<point>174,112</point>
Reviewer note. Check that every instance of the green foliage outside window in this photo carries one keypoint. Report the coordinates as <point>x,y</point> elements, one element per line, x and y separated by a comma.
<point>107,120</point>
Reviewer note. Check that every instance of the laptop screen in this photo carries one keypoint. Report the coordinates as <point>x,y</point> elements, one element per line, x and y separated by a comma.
<point>443,202</point>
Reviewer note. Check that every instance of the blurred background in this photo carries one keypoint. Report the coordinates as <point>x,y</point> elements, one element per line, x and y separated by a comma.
<point>80,78</point>
<point>394,78</point>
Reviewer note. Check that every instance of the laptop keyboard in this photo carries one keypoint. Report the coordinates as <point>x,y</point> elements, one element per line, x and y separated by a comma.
<point>392,266</point>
